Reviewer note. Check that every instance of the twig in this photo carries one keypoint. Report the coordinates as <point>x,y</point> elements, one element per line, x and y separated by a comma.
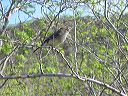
<point>7,58</point>
<point>66,75</point>
<point>37,75</point>
<point>3,83</point>
<point>122,12</point>
<point>75,37</point>
<point>114,28</point>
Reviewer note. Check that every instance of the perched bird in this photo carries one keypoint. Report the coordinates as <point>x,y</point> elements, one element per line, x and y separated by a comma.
<point>56,38</point>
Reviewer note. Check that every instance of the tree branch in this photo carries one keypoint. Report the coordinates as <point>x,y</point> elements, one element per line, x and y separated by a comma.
<point>114,28</point>
<point>37,75</point>
<point>7,58</point>
<point>66,75</point>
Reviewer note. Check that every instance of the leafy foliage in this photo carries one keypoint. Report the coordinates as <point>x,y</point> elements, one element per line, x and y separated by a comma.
<point>101,54</point>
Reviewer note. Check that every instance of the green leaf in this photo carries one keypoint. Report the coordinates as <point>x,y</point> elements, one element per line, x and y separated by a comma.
<point>125,46</point>
<point>7,48</point>
<point>50,70</point>
<point>21,57</point>
<point>3,37</point>
<point>23,36</point>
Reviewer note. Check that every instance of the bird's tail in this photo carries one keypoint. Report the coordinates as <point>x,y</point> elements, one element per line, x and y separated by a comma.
<point>39,47</point>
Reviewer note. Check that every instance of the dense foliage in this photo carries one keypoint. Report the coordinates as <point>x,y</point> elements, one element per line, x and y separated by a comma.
<point>97,49</point>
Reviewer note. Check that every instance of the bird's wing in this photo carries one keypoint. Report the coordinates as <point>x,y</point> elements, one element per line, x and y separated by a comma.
<point>53,36</point>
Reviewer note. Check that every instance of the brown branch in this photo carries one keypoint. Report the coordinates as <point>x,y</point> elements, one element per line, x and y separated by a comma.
<point>8,15</point>
<point>3,83</point>
<point>63,57</point>
<point>89,79</point>
<point>104,85</point>
<point>112,25</point>
<point>37,75</point>
<point>122,12</point>
<point>66,75</point>
<point>7,58</point>
<point>12,8</point>
<point>1,9</point>
<point>60,11</point>
<point>73,75</point>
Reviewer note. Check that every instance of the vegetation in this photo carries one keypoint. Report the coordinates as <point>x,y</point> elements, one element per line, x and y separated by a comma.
<point>92,62</point>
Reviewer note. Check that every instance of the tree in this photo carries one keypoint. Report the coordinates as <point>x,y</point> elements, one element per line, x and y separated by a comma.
<point>93,60</point>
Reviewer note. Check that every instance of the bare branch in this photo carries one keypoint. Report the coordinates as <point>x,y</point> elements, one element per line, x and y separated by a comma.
<point>37,75</point>
<point>7,58</point>
<point>66,75</point>
<point>1,8</point>
<point>114,28</point>
<point>75,38</point>
<point>3,83</point>
<point>122,12</point>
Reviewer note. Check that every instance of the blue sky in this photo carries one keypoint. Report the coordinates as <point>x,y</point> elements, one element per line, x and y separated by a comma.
<point>23,17</point>
<point>19,15</point>
<point>14,19</point>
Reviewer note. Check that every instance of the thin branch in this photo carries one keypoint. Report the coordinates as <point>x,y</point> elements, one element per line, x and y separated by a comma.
<point>69,65</point>
<point>29,14</point>
<point>104,85</point>
<point>122,12</point>
<point>1,8</point>
<point>92,53</point>
<point>66,75</point>
<point>60,11</point>
<point>114,28</point>
<point>37,75</point>
<point>75,37</point>
<point>8,15</point>
<point>73,75</point>
<point>89,79</point>
<point>3,83</point>
<point>6,60</point>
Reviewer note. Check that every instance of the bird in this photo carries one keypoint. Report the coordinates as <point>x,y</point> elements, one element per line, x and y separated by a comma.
<point>56,38</point>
